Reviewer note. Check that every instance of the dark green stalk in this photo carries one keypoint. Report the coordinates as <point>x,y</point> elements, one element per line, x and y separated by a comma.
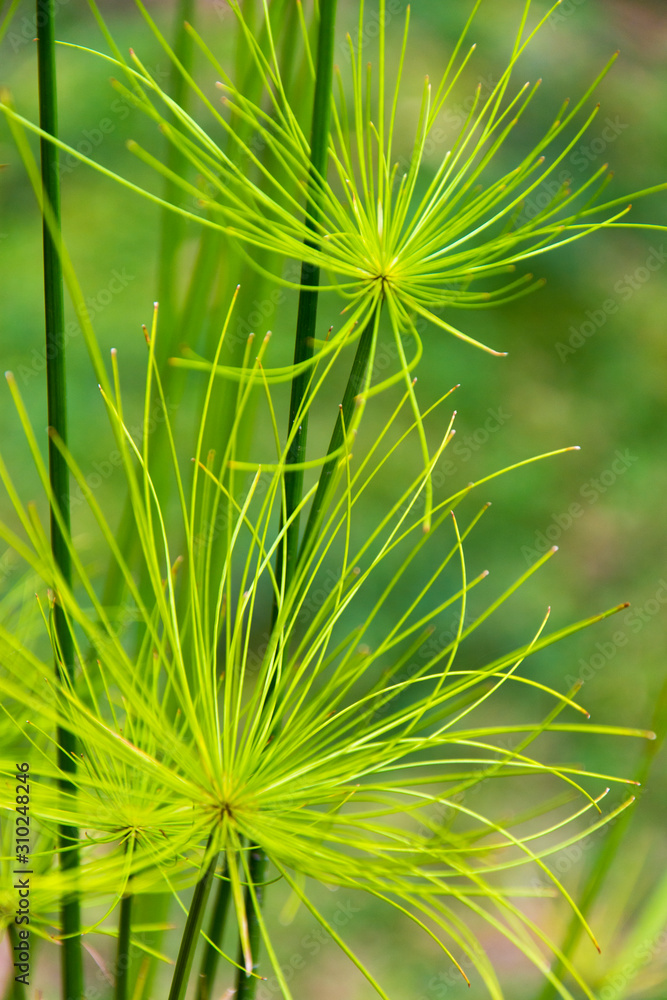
<point>246,985</point>
<point>123,946</point>
<point>209,965</point>
<point>186,951</point>
<point>172,226</point>
<point>352,389</point>
<point>123,952</point>
<point>310,279</point>
<point>72,966</point>
<point>303,350</point>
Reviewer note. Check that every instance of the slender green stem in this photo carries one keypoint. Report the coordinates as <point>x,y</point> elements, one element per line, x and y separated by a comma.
<point>123,948</point>
<point>72,965</point>
<point>209,965</point>
<point>172,226</point>
<point>354,386</point>
<point>246,985</point>
<point>123,953</point>
<point>310,278</point>
<point>303,350</point>
<point>186,951</point>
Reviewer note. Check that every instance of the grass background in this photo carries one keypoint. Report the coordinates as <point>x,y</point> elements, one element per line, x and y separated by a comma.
<point>607,395</point>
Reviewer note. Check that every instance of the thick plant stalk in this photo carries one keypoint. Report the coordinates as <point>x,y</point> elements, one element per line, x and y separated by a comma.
<point>209,965</point>
<point>354,386</point>
<point>303,351</point>
<point>172,226</point>
<point>186,952</point>
<point>123,948</point>
<point>310,276</point>
<point>257,862</point>
<point>72,965</point>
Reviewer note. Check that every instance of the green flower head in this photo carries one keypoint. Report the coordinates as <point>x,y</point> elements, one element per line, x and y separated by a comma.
<point>384,227</point>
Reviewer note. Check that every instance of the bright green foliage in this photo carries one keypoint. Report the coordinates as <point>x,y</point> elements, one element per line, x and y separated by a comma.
<point>338,760</point>
<point>383,237</point>
<point>345,759</point>
<point>379,234</point>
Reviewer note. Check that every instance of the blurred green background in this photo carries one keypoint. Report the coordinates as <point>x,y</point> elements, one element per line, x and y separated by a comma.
<point>586,365</point>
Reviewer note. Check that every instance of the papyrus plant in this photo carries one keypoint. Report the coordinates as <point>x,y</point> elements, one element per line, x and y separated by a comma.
<point>389,233</point>
<point>337,759</point>
<point>200,748</point>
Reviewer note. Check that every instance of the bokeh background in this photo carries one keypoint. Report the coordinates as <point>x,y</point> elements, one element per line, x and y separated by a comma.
<point>586,365</point>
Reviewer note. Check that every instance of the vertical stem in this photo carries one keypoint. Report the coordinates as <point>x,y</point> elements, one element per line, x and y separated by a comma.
<point>310,277</point>
<point>123,953</point>
<point>72,966</point>
<point>354,386</point>
<point>186,952</point>
<point>209,965</point>
<point>246,985</point>
<point>123,947</point>
<point>172,226</point>
<point>303,351</point>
